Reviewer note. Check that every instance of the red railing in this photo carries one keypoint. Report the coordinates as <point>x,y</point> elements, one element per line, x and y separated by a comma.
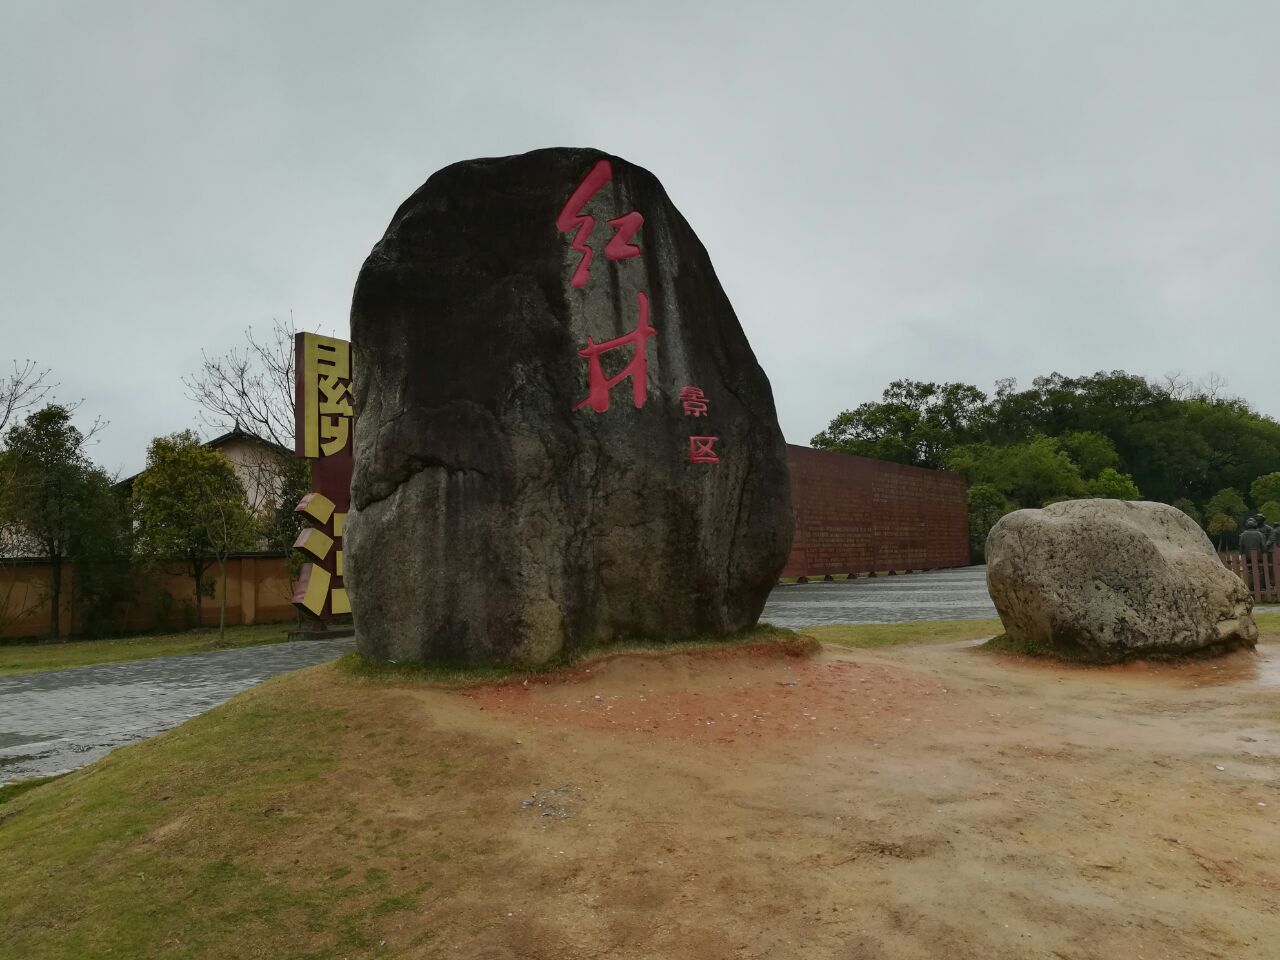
<point>1259,571</point>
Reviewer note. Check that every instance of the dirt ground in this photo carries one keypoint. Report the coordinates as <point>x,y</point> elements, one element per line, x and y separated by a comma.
<point>920,802</point>
<point>925,801</point>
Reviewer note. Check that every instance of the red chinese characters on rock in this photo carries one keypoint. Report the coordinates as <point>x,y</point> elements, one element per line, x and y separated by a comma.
<point>702,450</point>
<point>598,385</point>
<point>694,401</point>
<point>619,247</point>
<point>625,227</point>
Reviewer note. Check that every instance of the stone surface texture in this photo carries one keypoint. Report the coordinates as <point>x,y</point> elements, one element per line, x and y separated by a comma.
<point>492,522</point>
<point>1109,580</point>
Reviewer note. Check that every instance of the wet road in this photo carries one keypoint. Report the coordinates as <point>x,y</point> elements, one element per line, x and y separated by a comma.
<point>60,720</point>
<point>937,595</point>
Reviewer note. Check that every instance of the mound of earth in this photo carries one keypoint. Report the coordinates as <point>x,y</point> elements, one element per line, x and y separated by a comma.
<point>907,803</point>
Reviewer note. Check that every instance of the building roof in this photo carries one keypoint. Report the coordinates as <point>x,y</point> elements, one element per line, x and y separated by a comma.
<point>125,486</point>
<point>235,433</point>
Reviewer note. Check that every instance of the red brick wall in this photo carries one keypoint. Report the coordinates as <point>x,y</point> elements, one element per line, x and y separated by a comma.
<point>856,515</point>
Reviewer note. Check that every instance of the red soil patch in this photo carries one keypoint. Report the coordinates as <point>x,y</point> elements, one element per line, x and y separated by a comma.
<point>757,697</point>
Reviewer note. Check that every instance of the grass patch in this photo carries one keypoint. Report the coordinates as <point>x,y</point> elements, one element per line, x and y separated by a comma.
<point>39,656</point>
<point>1003,643</point>
<point>870,636</point>
<point>12,791</point>
<point>356,666</point>
<point>256,830</point>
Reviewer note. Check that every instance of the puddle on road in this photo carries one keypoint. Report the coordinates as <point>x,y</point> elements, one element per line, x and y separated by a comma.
<point>1256,668</point>
<point>1251,668</point>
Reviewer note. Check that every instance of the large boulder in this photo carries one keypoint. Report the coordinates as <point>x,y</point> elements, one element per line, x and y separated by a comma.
<point>523,486</point>
<point>1110,580</point>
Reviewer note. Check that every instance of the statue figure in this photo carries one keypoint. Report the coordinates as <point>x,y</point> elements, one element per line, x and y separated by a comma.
<point>1254,544</point>
<point>1269,533</point>
<point>1252,540</point>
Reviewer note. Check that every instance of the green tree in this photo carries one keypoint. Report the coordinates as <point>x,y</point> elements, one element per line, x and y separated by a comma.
<point>1271,510</point>
<point>986,506</point>
<point>1090,451</point>
<point>1111,484</point>
<point>1227,503</point>
<point>190,506</point>
<point>61,503</point>
<point>1176,440</point>
<point>914,423</point>
<point>978,462</point>
<point>1265,488</point>
<point>1029,474</point>
<point>103,555</point>
<point>1222,526</point>
<point>1038,471</point>
<point>279,523</point>
<point>1226,511</point>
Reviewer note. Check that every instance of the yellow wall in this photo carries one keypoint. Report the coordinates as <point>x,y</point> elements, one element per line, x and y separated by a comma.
<point>258,591</point>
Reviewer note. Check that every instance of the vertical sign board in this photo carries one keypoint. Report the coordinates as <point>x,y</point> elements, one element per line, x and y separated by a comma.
<point>322,404</point>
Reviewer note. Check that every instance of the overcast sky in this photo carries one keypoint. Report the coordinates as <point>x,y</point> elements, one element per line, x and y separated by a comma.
<point>937,191</point>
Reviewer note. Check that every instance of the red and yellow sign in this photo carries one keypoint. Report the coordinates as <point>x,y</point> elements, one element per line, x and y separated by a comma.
<point>323,412</point>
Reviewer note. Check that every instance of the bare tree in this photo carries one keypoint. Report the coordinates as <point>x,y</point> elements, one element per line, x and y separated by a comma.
<point>250,386</point>
<point>1178,385</point>
<point>1181,386</point>
<point>22,390</point>
<point>1212,386</point>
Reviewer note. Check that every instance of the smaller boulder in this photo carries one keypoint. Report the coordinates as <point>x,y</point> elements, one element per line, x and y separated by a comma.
<point>1112,580</point>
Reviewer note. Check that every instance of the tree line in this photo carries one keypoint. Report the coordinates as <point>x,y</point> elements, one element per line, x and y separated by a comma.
<point>188,506</point>
<point>1112,434</point>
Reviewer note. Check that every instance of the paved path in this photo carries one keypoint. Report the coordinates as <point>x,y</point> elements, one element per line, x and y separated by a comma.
<point>938,595</point>
<point>57,721</point>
